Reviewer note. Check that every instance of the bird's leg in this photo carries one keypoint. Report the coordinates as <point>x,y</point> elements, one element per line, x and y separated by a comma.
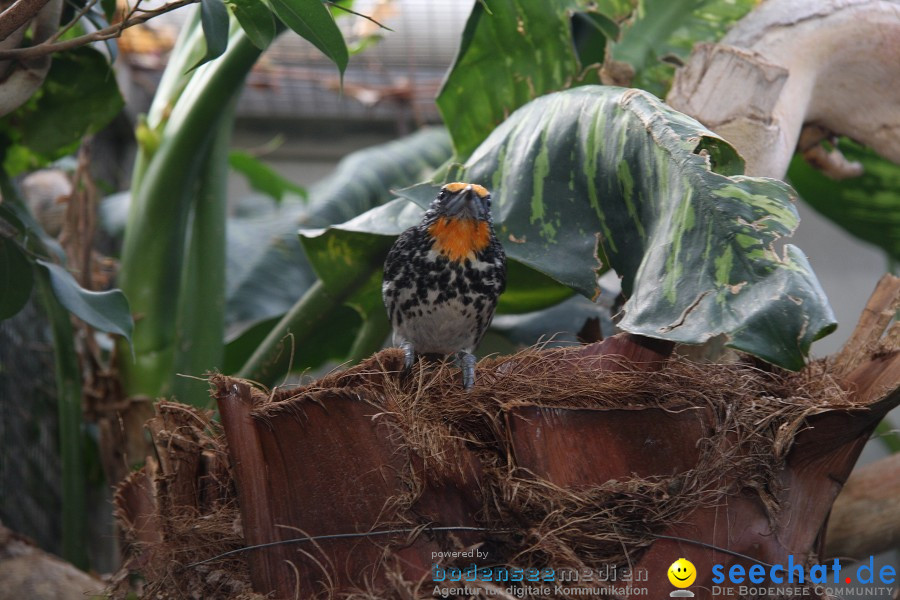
<point>468,369</point>
<point>409,355</point>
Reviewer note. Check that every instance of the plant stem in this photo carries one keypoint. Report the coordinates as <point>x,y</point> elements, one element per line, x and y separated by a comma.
<point>153,249</point>
<point>272,359</point>
<point>371,336</point>
<point>71,439</point>
<point>201,315</point>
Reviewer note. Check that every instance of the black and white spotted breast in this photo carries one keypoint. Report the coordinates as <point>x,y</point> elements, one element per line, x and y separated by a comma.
<point>438,305</point>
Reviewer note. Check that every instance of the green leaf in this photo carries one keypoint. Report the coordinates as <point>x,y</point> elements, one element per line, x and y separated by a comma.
<point>214,19</point>
<point>79,96</point>
<point>256,20</point>
<point>591,32</point>
<point>106,311</point>
<point>868,206</point>
<point>16,278</point>
<point>311,20</point>
<point>619,170</point>
<point>523,49</point>
<point>109,9</point>
<point>670,28</point>
<point>263,178</point>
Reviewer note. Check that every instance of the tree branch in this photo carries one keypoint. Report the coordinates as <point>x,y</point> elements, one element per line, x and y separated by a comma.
<point>18,14</point>
<point>113,31</point>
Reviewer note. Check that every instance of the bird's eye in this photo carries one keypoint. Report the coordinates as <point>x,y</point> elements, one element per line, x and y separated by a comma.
<point>487,200</point>
<point>442,194</point>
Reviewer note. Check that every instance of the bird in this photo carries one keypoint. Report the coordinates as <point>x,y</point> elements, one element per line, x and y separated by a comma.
<point>443,277</point>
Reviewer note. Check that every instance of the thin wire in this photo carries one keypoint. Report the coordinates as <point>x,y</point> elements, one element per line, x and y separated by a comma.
<point>335,536</point>
<point>710,547</point>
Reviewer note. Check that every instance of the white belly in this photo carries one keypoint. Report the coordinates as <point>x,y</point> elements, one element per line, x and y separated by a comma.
<point>444,328</point>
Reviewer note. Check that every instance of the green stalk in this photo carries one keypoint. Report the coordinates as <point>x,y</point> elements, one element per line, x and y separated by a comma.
<point>71,439</point>
<point>272,359</point>
<point>68,392</point>
<point>201,315</point>
<point>188,49</point>
<point>371,336</point>
<point>153,248</point>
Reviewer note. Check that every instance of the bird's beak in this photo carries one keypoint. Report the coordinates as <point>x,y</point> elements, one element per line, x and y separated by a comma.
<point>464,205</point>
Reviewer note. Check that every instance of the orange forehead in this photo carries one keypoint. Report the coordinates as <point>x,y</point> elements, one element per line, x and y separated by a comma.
<point>458,186</point>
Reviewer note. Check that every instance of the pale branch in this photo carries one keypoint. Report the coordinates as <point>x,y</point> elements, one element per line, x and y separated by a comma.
<point>18,14</point>
<point>110,32</point>
<point>25,77</point>
<point>865,518</point>
<point>794,63</point>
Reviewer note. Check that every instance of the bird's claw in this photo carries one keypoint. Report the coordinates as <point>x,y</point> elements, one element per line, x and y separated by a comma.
<point>468,369</point>
<point>409,356</point>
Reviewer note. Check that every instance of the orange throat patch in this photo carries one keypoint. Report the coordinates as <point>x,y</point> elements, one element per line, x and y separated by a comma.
<point>458,239</point>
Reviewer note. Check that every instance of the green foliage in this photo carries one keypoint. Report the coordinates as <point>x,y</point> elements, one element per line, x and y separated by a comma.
<point>79,96</point>
<point>262,177</point>
<point>313,22</point>
<point>279,266</point>
<point>105,311</point>
<point>16,278</point>
<point>868,206</point>
<point>214,18</point>
<point>518,52</point>
<point>256,20</point>
<point>664,32</point>
<point>505,49</point>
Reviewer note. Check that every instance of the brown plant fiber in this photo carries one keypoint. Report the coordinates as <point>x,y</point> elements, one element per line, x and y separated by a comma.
<point>745,420</point>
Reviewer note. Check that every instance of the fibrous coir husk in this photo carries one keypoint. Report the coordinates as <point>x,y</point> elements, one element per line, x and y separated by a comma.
<point>577,459</point>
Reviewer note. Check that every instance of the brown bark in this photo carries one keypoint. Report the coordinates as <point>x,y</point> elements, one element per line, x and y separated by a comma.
<point>18,13</point>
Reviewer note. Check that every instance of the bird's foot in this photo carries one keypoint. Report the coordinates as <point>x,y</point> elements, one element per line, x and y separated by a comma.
<point>409,356</point>
<point>467,361</point>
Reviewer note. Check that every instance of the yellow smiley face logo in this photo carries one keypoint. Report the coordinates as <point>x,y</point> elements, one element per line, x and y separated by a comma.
<point>682,573</point>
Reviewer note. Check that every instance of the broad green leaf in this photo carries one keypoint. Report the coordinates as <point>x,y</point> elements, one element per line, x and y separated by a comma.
<point>16,278</point>
<point>106,311</point>
<point>868,206</point>
<point>312,21</point>
<point>79,96</point>
<point>256,20</point>
<point>695,249</point>
<point>214,19</point>
<point>263,178</point>
<point>523,49</point>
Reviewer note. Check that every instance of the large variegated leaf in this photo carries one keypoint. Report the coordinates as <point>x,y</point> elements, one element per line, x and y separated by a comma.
<point>616,173</point>
<point>695,248</point>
